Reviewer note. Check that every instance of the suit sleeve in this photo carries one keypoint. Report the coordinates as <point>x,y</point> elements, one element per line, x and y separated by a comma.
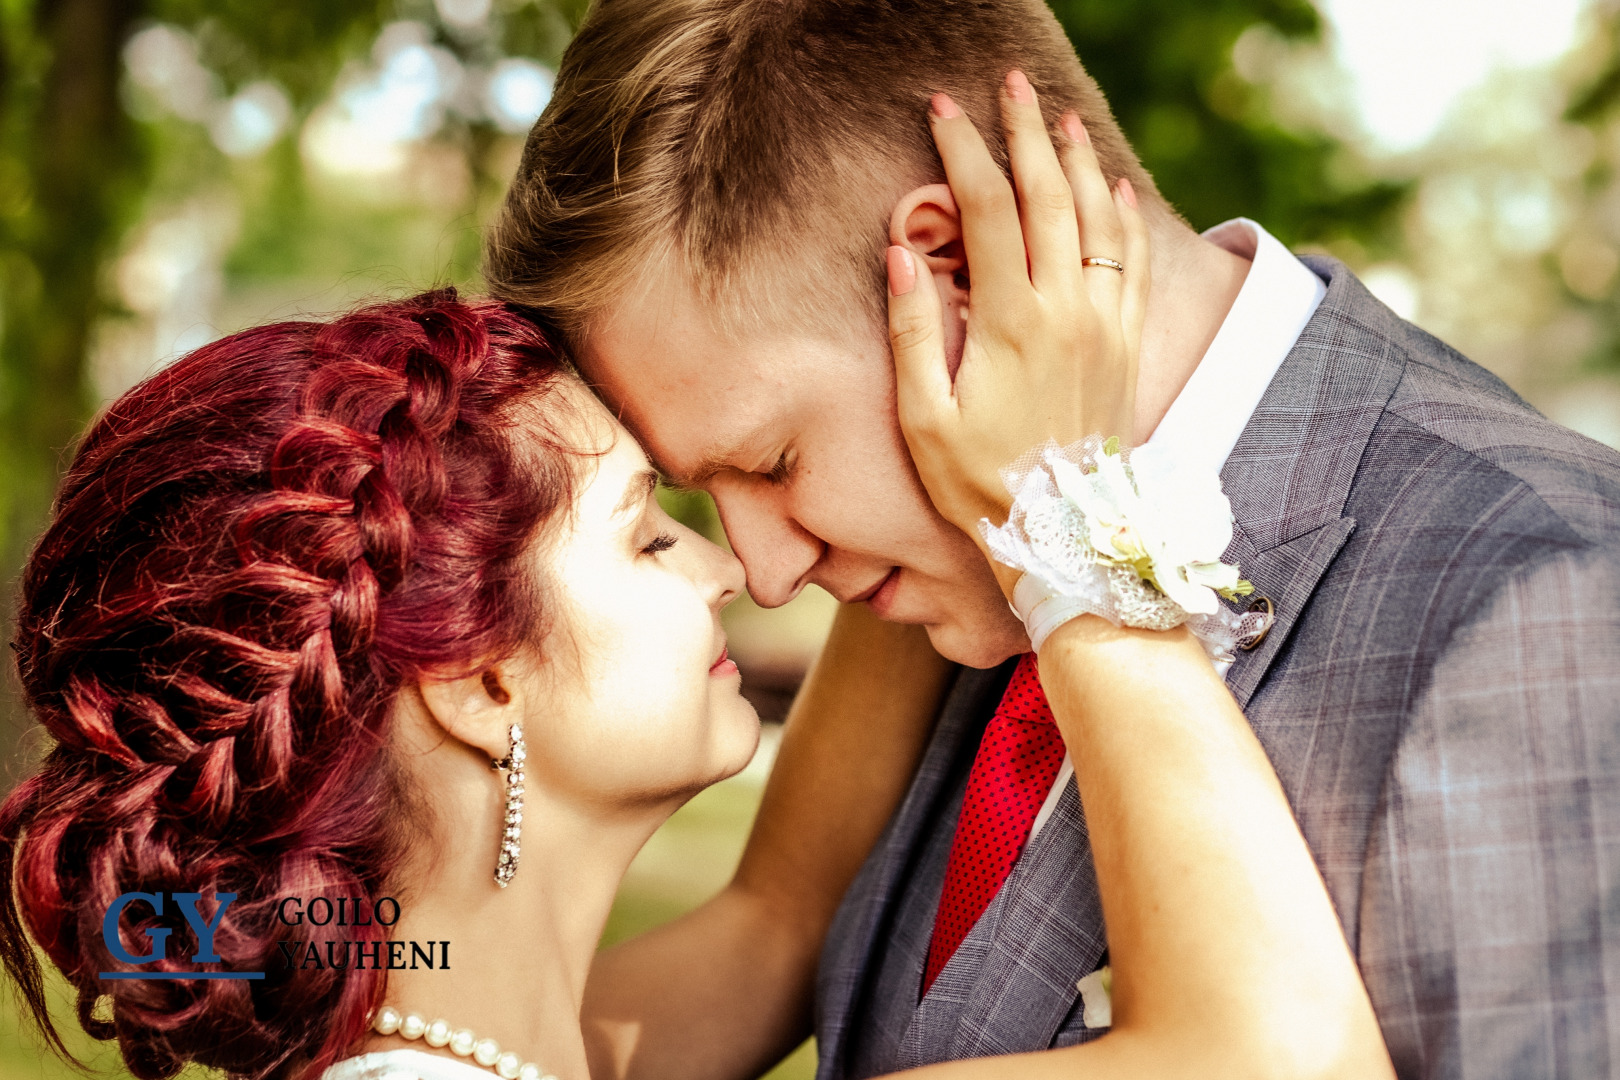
<point>1490,919</point>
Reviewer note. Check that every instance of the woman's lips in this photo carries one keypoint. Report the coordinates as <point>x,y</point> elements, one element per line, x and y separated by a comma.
<point>725,665</point>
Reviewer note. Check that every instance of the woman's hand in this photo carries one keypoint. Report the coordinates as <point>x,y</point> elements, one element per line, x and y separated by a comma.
<point>1051,345</point>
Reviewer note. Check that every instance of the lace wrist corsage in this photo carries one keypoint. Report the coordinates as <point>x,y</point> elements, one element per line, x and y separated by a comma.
<point>1125,535</point>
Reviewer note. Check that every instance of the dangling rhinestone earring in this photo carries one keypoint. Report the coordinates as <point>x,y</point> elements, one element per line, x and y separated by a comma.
<point>506,868</point>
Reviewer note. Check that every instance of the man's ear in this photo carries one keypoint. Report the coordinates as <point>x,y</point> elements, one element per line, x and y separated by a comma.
<point>926,222</point>
<point>478,709</point>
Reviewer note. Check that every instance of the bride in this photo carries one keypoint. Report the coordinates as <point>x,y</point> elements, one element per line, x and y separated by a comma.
<point>368,662</point>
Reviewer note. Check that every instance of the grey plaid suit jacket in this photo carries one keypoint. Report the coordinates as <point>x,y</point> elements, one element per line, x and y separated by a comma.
<point>1440,696</point>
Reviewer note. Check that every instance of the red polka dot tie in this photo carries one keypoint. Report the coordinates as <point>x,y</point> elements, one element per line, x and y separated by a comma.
<point>1018,759</point>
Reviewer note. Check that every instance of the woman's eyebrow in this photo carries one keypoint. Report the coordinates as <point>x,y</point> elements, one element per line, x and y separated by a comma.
<point>642,484</point>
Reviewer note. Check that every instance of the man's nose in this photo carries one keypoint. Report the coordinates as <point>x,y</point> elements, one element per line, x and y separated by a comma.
<point>776,551</point>
<point>726,575</point>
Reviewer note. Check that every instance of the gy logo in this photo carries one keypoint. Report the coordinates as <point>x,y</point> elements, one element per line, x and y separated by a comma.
<point>159,936</point>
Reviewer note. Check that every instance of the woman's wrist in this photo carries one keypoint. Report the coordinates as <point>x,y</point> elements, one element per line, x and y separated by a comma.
<point>1082,632</point>
<point>1092,655</point>
<point>1089,631</point>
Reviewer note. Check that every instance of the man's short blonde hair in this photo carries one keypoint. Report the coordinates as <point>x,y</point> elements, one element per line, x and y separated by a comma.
<point>734,138</point>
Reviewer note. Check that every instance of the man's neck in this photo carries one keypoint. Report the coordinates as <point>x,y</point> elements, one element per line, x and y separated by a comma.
<point>1195,284</point>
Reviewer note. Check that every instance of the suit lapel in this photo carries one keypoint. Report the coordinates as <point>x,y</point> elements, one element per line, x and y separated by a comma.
<point>1290,473</point>
<point>1048,933</point>
<point>852,946</point>
<point>1287,576</point>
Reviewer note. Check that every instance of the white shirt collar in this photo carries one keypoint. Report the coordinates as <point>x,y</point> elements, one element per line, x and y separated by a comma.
<point>1279,296</point>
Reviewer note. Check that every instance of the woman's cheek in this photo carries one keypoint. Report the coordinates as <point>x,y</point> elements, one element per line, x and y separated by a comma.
<point>650,653</point>
<point>646,640</point>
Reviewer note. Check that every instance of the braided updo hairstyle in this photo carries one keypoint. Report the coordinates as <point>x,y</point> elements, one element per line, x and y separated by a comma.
<point>252,552</point>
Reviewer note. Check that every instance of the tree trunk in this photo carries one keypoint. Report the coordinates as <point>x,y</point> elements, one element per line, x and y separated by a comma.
<point>84,165</point>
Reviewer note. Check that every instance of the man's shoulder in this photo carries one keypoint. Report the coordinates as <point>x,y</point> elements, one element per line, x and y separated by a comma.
<point>1456,487</point>
<point>1445,397</point>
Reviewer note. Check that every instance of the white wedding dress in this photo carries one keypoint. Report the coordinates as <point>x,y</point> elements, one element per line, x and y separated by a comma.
<point>405,1065</point>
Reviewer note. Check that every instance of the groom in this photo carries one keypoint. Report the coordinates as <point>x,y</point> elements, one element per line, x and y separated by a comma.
<point>702,211</point>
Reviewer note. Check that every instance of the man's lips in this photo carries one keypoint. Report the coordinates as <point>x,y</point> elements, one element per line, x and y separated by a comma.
<point>879,592</point>
<point>872,590</point>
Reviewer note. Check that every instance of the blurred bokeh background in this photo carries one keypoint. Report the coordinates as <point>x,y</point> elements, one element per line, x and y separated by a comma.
<point>172,170</point>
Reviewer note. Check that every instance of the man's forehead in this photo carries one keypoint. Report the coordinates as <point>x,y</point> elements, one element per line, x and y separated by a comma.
<point>702,394</point>
<point>693,409</point>
<point>690,414</point>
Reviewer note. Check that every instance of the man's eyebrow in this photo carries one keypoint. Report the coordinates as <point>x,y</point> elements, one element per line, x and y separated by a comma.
<point>711,463</point>
<point>705,471</point>
<point>641,485</point>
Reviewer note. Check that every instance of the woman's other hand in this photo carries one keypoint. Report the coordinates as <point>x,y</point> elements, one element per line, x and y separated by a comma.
<point>1051,344</point>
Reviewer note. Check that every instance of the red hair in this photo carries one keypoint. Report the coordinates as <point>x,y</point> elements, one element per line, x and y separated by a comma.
<point>252,552</point>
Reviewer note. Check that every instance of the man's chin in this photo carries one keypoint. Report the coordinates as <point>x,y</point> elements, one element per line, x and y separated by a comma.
<point>982,646</point>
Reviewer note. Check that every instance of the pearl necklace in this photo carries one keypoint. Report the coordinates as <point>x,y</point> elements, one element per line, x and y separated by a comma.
<point>462,1042</point>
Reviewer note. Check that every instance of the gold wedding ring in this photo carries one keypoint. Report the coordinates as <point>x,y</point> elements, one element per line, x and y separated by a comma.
<point>1110,263</point>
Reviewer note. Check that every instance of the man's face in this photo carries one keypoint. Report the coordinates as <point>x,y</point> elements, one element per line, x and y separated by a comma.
<point>795,435</point>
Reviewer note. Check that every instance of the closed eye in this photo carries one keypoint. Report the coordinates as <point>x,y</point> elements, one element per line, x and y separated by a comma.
<point>661,542</point>
<point>779,471</point>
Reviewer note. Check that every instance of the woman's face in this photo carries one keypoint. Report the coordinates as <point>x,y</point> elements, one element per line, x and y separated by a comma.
<point>642,704</point>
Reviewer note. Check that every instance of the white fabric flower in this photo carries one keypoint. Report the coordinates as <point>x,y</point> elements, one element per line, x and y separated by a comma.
<point>1130,537</point>
<point>1172,524</point>
<point>1109,502</point>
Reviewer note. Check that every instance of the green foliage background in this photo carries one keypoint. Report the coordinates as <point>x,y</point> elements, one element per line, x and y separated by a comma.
<point>1206,135</point>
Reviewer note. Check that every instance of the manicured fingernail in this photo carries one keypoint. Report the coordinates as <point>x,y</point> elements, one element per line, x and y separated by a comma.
<point>902,271</point>
<point>1128,192</point>
<point>1074,128</point>
<point>944,107</point>
<point>1018,87</point>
